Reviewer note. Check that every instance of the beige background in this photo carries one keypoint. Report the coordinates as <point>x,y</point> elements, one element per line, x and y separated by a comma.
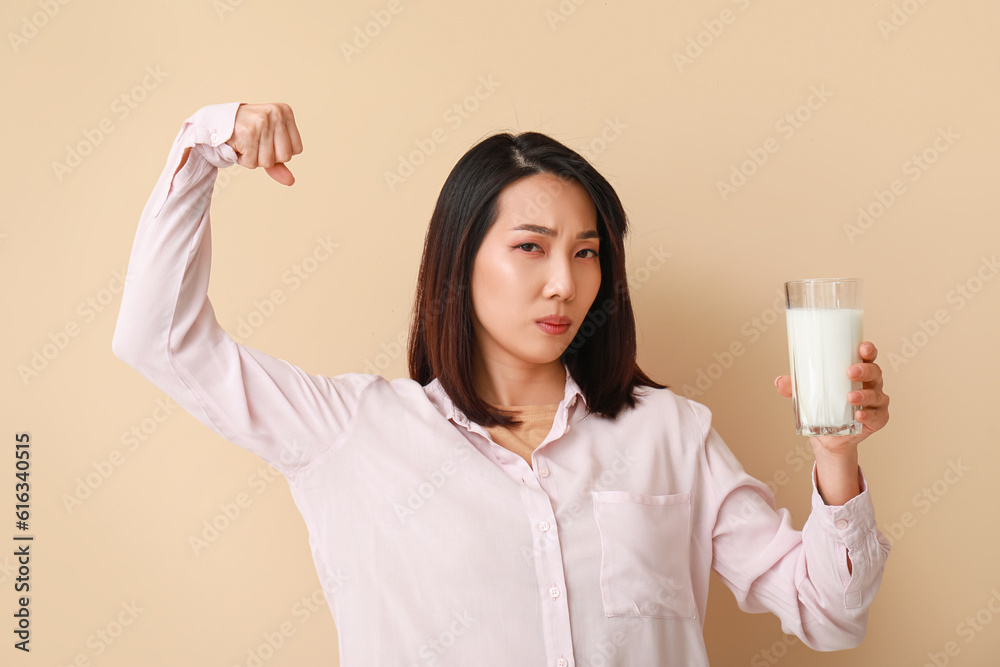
<point>892,76</point>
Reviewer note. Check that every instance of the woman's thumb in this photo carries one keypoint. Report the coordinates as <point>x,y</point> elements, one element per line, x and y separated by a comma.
<point>280,173</point>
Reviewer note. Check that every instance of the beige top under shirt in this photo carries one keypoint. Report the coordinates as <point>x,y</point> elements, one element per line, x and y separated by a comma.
<point>533,423</point>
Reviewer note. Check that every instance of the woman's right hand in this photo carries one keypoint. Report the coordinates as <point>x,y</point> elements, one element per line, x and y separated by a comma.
<point>265,135</point>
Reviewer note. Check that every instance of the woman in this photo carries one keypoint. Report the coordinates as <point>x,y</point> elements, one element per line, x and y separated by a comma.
<point>528,496</point>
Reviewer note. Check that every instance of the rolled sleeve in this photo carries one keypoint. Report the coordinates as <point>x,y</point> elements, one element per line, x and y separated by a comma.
<point>207,131</point>
<point>850,526</point>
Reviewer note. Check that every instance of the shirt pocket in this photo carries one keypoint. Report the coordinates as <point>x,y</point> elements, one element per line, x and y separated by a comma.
<point>645,554</point>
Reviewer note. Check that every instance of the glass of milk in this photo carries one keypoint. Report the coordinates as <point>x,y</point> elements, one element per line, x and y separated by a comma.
<point>824,319</point>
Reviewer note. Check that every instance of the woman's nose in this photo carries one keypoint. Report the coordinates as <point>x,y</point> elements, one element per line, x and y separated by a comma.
<point>560,280</point>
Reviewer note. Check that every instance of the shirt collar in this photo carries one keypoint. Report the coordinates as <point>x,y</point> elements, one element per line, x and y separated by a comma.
<point>439,397</point>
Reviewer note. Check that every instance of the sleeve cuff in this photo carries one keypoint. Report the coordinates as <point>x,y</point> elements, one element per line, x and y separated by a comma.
<point>209,128</point>
<point>213,125</point>
<point>850,521</point>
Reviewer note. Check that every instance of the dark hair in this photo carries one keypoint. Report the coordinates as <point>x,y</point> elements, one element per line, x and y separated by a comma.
<point>602,356</point>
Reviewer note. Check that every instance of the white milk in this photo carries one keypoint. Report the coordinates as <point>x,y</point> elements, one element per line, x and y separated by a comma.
<point>822,344</point>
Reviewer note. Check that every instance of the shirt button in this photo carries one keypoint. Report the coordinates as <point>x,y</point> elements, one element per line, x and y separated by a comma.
<point>554,592</point>
<point>562,662</point>
<point>842,524</point>
<point>215,137</point>
<point>544,472</point>
<point>544,526</point>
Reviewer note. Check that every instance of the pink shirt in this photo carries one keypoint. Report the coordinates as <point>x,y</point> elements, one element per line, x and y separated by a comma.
<point>435,545</point>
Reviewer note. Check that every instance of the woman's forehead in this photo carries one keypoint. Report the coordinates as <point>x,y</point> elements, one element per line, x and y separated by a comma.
<point>548,201</point>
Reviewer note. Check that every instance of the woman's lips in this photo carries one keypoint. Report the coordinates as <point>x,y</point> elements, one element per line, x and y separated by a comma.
<point>553,329</point>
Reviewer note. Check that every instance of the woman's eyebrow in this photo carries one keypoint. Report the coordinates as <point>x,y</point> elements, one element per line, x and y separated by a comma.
<point>538,229</point>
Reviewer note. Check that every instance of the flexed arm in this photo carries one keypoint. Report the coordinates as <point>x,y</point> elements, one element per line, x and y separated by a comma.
<point>167,329</point>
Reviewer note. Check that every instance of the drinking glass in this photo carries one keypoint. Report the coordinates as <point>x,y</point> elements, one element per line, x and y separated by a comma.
<point>825,322</point>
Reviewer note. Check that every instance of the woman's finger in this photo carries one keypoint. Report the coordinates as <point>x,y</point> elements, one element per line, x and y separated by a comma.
<point>265,156</point>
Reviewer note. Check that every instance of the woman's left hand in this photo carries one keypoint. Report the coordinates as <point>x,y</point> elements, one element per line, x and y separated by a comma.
<point>873,401</point>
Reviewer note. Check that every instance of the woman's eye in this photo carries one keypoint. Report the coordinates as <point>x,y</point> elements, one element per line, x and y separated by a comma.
<point>529,245</point>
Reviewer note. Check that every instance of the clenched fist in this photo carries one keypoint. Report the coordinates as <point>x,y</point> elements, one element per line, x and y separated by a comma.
<point>265,136</point>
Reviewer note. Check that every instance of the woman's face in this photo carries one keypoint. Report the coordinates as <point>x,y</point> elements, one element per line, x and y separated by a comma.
<point>539,259</point>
